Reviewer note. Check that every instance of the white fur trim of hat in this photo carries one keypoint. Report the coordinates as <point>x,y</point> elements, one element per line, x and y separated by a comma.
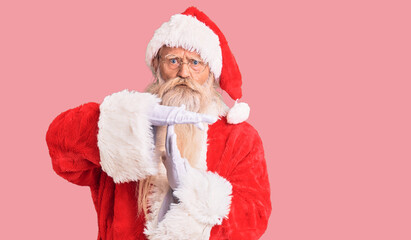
<point>189,33</point>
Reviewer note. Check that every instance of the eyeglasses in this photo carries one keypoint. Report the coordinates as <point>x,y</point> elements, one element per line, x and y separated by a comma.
<point>174,63</point>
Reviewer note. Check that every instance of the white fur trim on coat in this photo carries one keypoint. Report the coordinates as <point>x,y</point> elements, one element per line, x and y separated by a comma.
<point>125,137</point>
<point>205,199</point>
<point>191,34</point>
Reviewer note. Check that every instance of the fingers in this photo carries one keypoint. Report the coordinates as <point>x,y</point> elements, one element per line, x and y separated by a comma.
<point>171,143</point>
<point>173,147</point>
<point>208,118</point>
<point>167,115</point>
<point>200,126</point>
<point>204,118</point>
<point>176,166</point>
<point>187,117</point>
<point>197,119</point>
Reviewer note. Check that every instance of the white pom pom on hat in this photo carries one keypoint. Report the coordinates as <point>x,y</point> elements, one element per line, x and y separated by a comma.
<point>193,30</point>
<point>238,113</point>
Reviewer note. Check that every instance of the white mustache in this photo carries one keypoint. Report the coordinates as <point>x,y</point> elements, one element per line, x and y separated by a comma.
<point>186,83</point>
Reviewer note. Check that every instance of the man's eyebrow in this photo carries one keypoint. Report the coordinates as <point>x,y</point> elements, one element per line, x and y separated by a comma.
<point>196,58</point>
<point>191,58</point>
<point>170,55</point>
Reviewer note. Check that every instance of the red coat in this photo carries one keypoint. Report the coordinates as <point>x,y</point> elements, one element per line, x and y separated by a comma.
<point>234,152</point>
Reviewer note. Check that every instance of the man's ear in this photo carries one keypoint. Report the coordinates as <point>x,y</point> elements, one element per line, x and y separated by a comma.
<point>156,60</point>
<point>154,63</point>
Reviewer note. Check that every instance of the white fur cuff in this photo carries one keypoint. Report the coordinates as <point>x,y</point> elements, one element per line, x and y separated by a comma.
<point>205,199</point>
<point>125,137</point>
<point>206,196</point>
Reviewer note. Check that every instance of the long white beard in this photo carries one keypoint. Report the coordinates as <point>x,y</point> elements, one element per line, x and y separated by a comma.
<point>191,141</point>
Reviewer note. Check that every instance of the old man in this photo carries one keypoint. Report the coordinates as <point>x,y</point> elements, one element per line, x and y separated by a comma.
<point>173,162</point>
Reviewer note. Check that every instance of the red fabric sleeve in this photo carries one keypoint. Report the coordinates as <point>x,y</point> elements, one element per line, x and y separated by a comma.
<point>244,166</point>
<point>72,143</point>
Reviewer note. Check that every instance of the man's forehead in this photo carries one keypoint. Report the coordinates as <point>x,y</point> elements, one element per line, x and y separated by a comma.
<point>179,52</point>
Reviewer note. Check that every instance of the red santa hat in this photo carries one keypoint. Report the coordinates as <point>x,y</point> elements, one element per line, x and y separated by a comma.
<point>194,31</point>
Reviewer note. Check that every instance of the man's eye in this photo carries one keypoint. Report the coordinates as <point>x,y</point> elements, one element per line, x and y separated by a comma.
<point>195,62</point>
<point>173,61</point>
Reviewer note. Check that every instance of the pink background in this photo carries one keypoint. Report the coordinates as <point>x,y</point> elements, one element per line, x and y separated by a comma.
<point>328,83</point>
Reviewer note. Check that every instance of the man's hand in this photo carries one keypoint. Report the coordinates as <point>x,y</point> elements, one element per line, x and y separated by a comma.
<point>176,165</point>
<point>165,115</point>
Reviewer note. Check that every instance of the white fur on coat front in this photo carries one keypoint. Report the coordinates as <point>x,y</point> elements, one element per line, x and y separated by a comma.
<point>204,200</point>
<point>125,137</point>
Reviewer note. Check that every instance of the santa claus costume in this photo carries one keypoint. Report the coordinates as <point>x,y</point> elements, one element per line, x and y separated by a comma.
<point>109,147</point>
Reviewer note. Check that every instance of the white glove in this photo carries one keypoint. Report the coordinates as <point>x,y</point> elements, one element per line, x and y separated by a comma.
<point>166,115</point>
<point>176,166</point>
<point>165,206</point>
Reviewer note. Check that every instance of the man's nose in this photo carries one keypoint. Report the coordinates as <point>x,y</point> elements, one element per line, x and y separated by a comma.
<point>184,72</point>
